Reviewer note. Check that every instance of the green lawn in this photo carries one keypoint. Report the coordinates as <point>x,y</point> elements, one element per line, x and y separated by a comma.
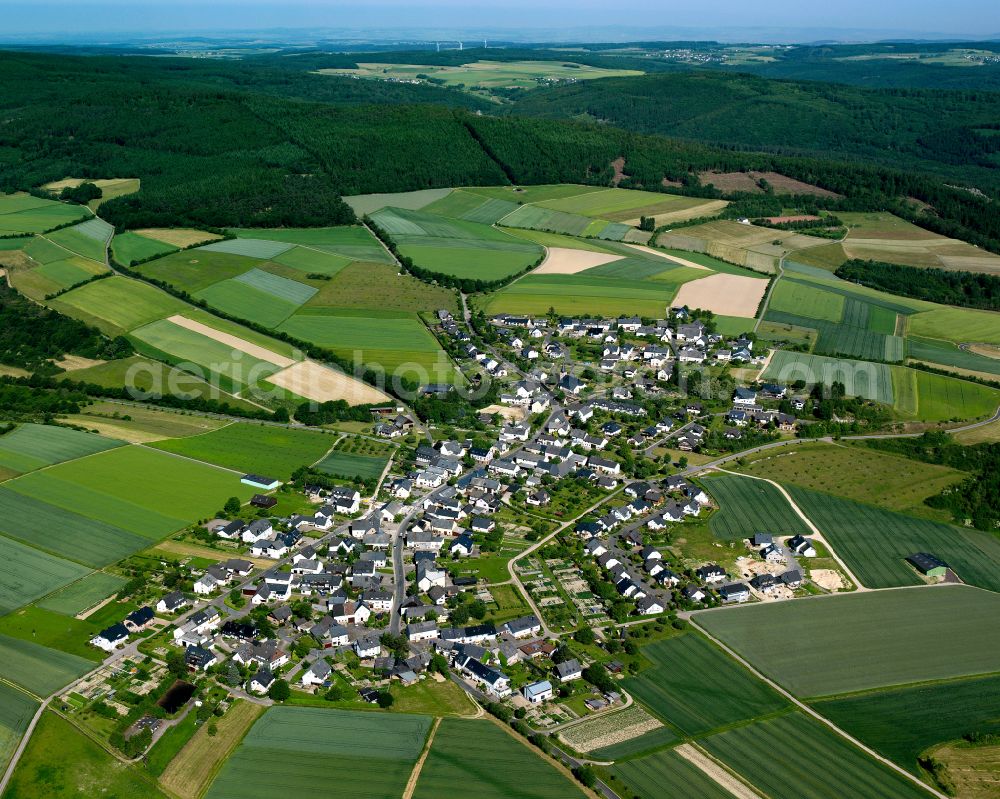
<point>902,723</point>
<point>874,542</point>
<point>696,687</point>
<point>667,774</point>
<point>83,594</point>
<point>352,754</point>
<point>796,757</point>
<point>121,304</point>
<point>61,762</point>
<point>41,670</point>
<point>854,642</point>
<point>748,506</point>
<point>487,763</point>
<point>32,446</point>
<point>273,451</point>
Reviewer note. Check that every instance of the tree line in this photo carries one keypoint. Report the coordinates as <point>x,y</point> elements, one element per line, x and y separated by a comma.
<point>945,286</point>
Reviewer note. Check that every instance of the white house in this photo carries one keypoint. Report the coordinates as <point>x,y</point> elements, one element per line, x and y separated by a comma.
<point>537,692</point>
<point>316,674</point>
<point>111,638</point>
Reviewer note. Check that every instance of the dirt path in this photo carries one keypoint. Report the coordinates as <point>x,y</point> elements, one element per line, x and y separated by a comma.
<point>411,784</point>
<point>717,773</point>
<point>816,534</point>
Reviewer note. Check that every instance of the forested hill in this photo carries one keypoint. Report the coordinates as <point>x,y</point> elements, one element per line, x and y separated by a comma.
<point>211,149</point>
<point>955,134</point>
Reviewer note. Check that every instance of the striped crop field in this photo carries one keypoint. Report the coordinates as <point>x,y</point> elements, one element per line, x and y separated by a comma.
<point>29,573</point>
<point>251,248</point>
<point>860,378</point>
<point>83,594</point>
<point>667,773</point>
<point>351,754</point>
<point>119,304</point>
<point>39,669</point>
<point>32,446</point>
<point>748,506</point>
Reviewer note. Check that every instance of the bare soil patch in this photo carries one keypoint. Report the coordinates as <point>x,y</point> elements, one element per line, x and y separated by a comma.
<point>321,383</point>
<point>731,181</point>
<point>781,220</point>
<point>728,295</point>
<point>675,184</point>
<point>988,350</point>
<point>750,182</point>
<point>232,341</point>
<point>566,261</point>
<point>827,578</point>
<point>178,237</point>
<point>508,412</point>
<point>669,257</point>
<point>71,362</point>
<point>619,166</point>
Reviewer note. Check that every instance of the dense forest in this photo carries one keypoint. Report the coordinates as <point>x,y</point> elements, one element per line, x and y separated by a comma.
<point>967,289</point>
<point>975,498</point>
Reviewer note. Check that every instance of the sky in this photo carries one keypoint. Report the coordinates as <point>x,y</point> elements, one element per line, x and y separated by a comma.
<point>526,20</point>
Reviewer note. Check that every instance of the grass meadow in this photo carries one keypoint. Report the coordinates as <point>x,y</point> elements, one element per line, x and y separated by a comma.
<point>799,744</point>
<point>874,542</point>
<point>23,213</point>
<point>273,451</point>
<point>487,763</point>
<point>902,723</point>
<point>129,247</point>
<point>582,295</point>
<point>750,506</point>
<point>293,749</point>
<point>855,642</point>
<point>696,687</point>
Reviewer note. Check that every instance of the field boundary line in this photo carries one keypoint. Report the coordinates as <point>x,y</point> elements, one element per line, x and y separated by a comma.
<point>411,783</point>
<point>333,446</point>
<point>859,587</point>
<point>22,745</point>
<point>193,460</point>
<point>802,706</point>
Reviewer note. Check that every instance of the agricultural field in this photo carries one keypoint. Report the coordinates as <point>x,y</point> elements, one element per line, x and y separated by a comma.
<point>903,723</point>
<point>60,762</point>
<point>16,711</point>
<point>29,573</point>
<point>350,753</point>
<point>857,642</point>
<point>118,304</point>
<point>956,324</point>
<point>456,247</point>
<point>32,446</point>
<point>628,205</point>
<point>83,594</point>
<point>874,542</point>
<point>940,398</point>
<point>750,506</point>
<point>110,188</point>
<point>944,354</point>
<point>23,213</point>
<point>620,729</point>
<point>487,763</point>
<point>51,270</point>
<point>861,379</point>
<point>744,245</point>
<point>273,451</point>
<point>538,217</point>
<point>667,773</point>
<point>799,743</point>
<point>364,204</point>
<point>130,247</point>
<point>143,424</point>
<point>55,630</point>
<point>88,239</point>
<point>349,466</point>
<point>41,670</point>
<point>855,472</point>
<point>696,687</point>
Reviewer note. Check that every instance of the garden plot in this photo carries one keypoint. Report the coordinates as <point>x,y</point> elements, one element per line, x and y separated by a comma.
<point>609,729</point>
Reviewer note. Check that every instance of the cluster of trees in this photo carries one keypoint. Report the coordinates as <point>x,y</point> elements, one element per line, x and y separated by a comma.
<point>972,499</point>
<point>333,411</point>
<point>82,194</point>
<point>33,336</point>
<point>967,289</point>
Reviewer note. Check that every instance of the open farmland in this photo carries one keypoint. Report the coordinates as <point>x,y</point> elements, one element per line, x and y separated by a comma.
<point>627,205</point>
<point>696,687</point>
<point>462,204</point>
<point>487,763</point>
<point>855,642</point>
<point>16,710</point>
<point>88,239</point>
<point>364,204</point>
<point>118,304</point>
<point>799,743</point>
<point>538,217</point>
<point>351,289</point>
<point>902,723</point>
<point>750,506</point>
<point>943,398</point>
<point>244,299</point>
<point>352,242</point>
<point>145,424</point>
<point>29,573</point>
<point>41,670</point>
<point>743,245</point>
<point>874,542</point>
<point>83,594</point>
<point>196,270</point>
<point>23,213</point>
<point>60,271</point>
<point>129,247</point>
<point>343,464</point>
<point>32,446</point>
<point>351,754</point>
<point>584,294</point>
<point>727,295</point>
<point>956,324</point>
<point>668,773</point>
<point>855,472</point>
<point>944,354</point>
<point>861,379</point>
<point>274,451</point>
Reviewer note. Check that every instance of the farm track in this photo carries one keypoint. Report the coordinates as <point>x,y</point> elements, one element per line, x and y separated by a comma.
<point>411,783</point>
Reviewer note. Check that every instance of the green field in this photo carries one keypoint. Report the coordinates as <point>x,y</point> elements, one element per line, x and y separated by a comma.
<point>461,204</point>
<point>352,242</point>
<point>32,446</point>
<point>16,710</point>
<point>582,295</point>
<point>478,759</point>
<point>61,762</point>
<point>139,489</point>
<point>872,381</point>
<point>351,754</point>
<point>57,630</point>
<point>792,296</point>
<point>667,774</point>
<point>946,353</point>
<point>239,299</point>
<point>696,687</point>
<point>874,542</point>
<point>344,464</point>
<point>855,642</point>
<point>273,451</point>
<point>248,247</point>
<point>942,398</point>
<point>647,742</point>
<point>474,263</point>
<point>83,594</point>
<point>79,242</point>
<point>902,723</point>
<point>129,247</point>
<point>119,304</point>
<point>351,289</point>
<point>750,506</point>
<point>63,531</point>
<point>620,205</point>
<point>23,213</point>
<point>41,670</point>
<point>369,203</point>
<point>957,324</point>
<point>194,270</point>
<point>309,261</point>
<point>29,573</point>
<point>796,757</point>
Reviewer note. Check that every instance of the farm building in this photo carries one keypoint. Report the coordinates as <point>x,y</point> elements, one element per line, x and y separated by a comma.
<point>926,563</point>
<point>259,481</point>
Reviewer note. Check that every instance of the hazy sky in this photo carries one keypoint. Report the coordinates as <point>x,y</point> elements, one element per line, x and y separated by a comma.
<point>930,18</point>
